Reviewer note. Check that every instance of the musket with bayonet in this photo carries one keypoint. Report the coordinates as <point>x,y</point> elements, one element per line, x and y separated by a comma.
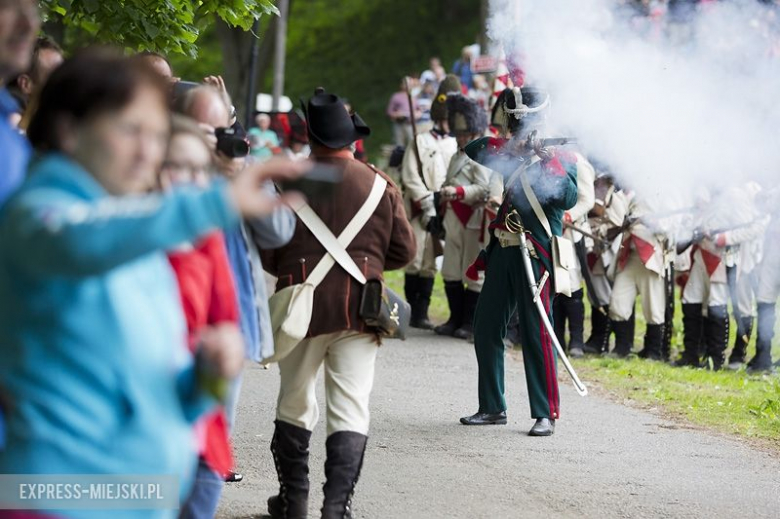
<point>415,148</point>
<point>601,241</point>
<point>699,234</point>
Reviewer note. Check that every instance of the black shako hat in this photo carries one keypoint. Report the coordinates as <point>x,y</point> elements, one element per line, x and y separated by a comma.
<point>329,122</point>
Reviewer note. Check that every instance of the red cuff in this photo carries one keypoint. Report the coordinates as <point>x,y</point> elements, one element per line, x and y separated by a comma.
<point>475,268</point>
<point>460,192</point>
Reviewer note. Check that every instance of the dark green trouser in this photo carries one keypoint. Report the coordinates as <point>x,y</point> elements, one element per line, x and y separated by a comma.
<point>506,287</point>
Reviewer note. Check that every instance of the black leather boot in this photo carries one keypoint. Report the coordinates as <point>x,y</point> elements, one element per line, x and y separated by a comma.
<point>411,282</point>
<point>560,314</point>
<point>624,338</point>
<point>654,337</point>
<point>598,342</point>
<point>766,332</point>
<point>693,330</point>
<point>420,307</point>
<point>717,335</point>
<point>345,451</point>
<point>456,295</point>
<point>466,330</point>
<point>744,332</point>
<point>290,448</point>
<point>576,313</point>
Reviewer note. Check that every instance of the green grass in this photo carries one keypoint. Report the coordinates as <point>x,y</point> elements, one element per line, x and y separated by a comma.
<point>730,402</point>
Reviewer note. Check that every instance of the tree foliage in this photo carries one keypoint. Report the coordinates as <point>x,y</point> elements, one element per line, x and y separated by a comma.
<point>168,26</point>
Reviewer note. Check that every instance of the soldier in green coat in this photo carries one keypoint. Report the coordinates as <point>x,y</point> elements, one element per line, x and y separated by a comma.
<point>552,177</point>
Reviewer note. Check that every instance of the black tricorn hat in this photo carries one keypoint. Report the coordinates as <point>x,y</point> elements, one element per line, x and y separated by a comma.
<point>329,122</point>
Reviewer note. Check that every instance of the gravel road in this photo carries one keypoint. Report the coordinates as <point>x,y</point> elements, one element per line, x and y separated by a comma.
<point>605,459</point>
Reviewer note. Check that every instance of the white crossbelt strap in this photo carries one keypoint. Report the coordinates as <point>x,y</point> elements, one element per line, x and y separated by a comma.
<point>337,247</point>
<point>529,193</point>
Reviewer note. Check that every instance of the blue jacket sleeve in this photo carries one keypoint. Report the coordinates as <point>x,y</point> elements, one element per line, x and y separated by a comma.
<point>50,231</point>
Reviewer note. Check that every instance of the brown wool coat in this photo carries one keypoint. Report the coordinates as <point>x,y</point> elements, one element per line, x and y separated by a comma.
<point>385,243</point>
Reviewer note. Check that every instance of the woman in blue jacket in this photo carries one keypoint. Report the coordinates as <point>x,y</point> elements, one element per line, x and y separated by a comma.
<point>95,377</point>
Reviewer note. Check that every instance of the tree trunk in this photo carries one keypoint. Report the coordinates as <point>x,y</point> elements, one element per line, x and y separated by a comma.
<point>484,13</point>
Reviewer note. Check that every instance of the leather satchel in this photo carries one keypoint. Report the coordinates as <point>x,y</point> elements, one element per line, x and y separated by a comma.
<point>563,257</point>
<point>384,310</point>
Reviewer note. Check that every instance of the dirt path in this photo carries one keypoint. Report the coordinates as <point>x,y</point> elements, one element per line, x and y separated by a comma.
<point>605,460</point>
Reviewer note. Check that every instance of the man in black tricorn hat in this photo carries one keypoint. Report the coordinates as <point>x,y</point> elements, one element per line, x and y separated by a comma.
<point>337,337</point>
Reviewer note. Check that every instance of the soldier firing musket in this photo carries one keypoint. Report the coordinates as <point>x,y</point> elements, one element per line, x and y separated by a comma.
<point>518,262</point>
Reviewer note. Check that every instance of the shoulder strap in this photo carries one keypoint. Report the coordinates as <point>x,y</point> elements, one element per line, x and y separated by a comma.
<point>535,205</point>
<point>336,247</point>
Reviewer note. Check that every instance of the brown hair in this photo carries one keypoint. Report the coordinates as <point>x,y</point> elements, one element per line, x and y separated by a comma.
<point>89,84</point>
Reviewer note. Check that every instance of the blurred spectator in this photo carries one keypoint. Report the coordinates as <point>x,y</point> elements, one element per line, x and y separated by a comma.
<point>263,141</point>
<point>83,266</point>
<point>398,110</point>
<point>159,64</point>
<point>209,301</point>
<point>425,100</point>
<point>207,106</point>
<point>299,147</point>
<point>431,75</point>
<point>46,56</point>
<point>462,68</point>
<point>481,93</point>
<point>19,22</point>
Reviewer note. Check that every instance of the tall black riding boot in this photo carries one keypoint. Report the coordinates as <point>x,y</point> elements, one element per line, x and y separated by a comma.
<point>693,330</point>
<point>717,335</point>
<point>420,307</point>
<point>560,316</point>
<point>598,342</point>
<point>411,282</point>
<point>624,338</point>
<point>654,337</point>
<point>766,332</point>
<point>744,332</point>
<point>466,331</point>
<point>345,451</point>
<point>456,294</point>
<point>290,448</point>
<point>576,313</point>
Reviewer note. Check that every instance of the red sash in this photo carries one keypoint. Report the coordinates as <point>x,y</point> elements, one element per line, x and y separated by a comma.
<point>462,211</point>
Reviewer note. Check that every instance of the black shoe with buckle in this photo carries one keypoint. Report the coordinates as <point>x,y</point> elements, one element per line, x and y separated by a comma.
<point>542,427</point>
<point>485,419</point>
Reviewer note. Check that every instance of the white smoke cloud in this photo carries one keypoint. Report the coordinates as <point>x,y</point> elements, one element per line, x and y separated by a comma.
<point>670,119</point>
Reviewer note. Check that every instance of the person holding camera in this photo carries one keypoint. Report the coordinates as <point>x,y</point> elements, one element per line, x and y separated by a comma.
<point>207,105</point>
<point>337,336</point>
